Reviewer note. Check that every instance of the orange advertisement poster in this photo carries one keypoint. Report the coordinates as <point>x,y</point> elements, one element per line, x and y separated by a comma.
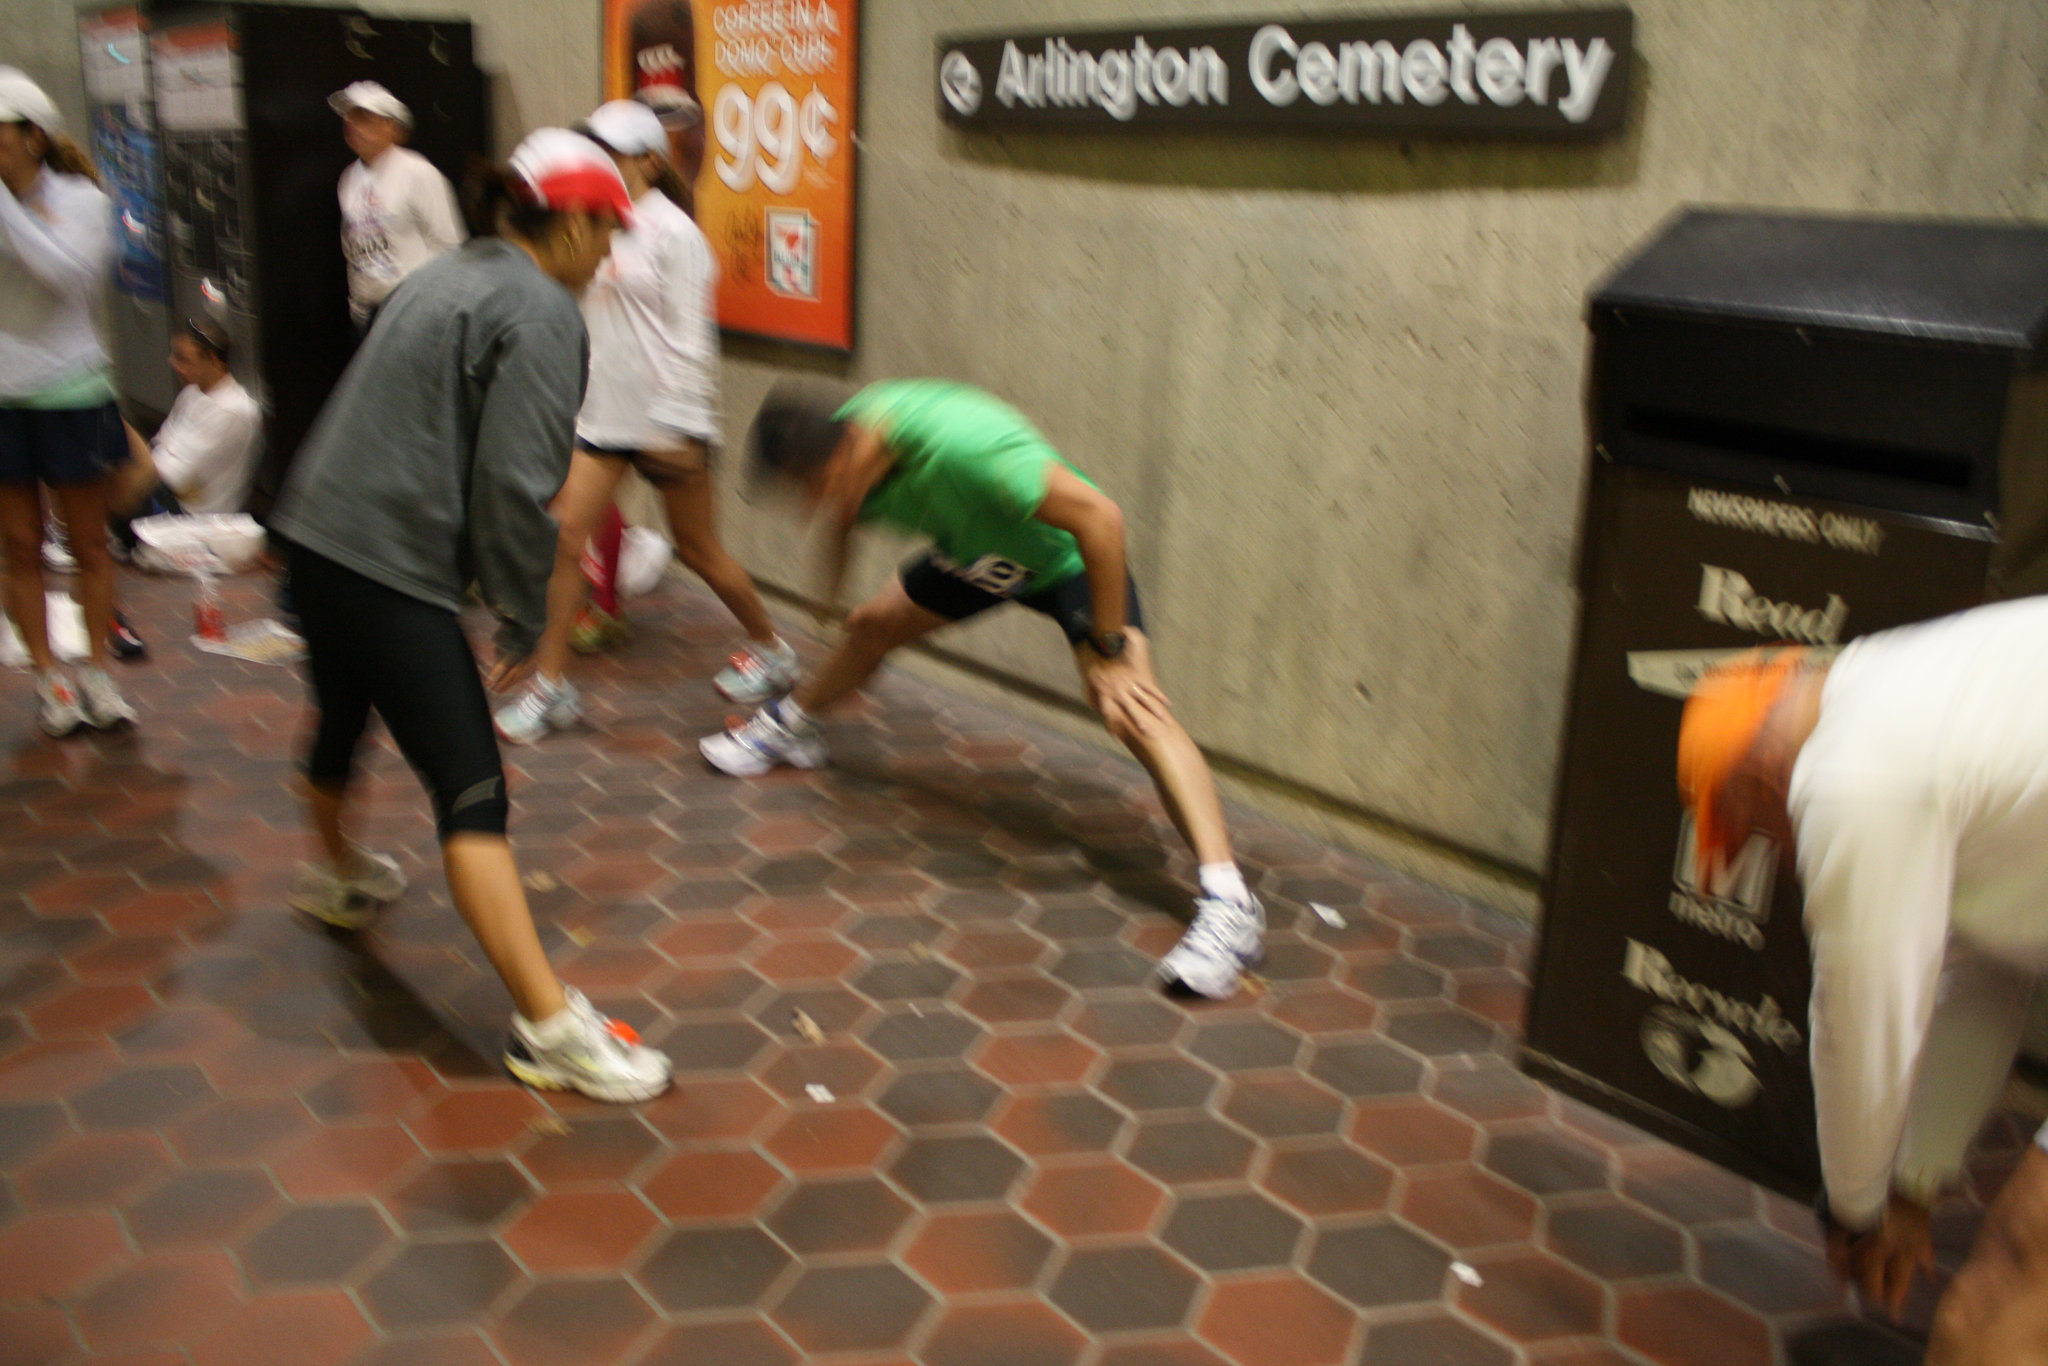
<point>773,86</point>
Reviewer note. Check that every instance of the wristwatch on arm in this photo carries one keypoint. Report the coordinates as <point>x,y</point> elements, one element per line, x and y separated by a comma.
<point>1108,644</point>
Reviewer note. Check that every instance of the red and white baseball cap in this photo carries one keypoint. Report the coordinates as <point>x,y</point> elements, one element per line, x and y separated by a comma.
<point>559,169</point>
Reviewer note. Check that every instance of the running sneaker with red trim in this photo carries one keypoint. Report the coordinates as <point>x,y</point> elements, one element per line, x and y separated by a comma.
<point>581,1050</point>
<point>754,674</point>
<point>57,709</point>
<point>754,746</point>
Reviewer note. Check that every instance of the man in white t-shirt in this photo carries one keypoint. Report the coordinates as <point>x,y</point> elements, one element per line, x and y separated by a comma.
<point>203,457</point>
<point>1910,775</point>
<point>397,211</point>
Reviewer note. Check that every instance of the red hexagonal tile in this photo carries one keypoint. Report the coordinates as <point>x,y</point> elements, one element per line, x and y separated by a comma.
<point>711,1111</point>
<point>49,1255</point>
<point>1328,1178</point>
<point>476,1120</point>
<point>161,1297</point>
<point>1531,1297</point>
<point>1278,1321</point>
<point>47,1071</point>
<point>92,1170</point>
<point>580,1231</point>
<point>349,1159</point>
<point>812,958</point>
<point>305,1328</point>
<point>1039,1058</point>
<point>91,1008</point>
<point>1093,1198</point>
<point>1324,1009</point>
<point>831,1138</point>
<point>1686,1326</point>
<point>965,1254</point>
<point>712,1185</point>
<point>373,1088</point>
<point>1467,1208</point>
<point>706,938</point>
<point>1411,1133</point>
<point>1024,1334</point>
<point>34,1335</point>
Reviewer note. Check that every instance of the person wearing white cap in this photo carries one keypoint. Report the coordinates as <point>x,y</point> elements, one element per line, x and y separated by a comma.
<point>430,470</point>
<point>652,406</point>
<point>59,426</point>
<point>397,211</point>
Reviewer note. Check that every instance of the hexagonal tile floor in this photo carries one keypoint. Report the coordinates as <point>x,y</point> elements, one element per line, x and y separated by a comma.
<point>930,1110</point>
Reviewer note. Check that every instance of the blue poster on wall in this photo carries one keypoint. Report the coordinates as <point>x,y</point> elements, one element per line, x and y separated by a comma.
<point>124,147</point>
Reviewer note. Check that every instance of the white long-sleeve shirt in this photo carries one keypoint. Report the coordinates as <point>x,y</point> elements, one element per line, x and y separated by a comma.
<point>55,254</point>
<point>652,315</point>
<point>206,448</point>
<point>1920,802</point>
<point>395,217</point>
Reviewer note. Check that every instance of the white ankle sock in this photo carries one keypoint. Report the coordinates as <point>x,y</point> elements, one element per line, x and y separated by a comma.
<point>792,716</point>
<point>781,651</point>
<point>555,1030</point>
<point>1224,882</point>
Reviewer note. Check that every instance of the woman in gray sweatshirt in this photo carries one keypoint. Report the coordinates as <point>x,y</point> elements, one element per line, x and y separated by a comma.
<point>430,470</point>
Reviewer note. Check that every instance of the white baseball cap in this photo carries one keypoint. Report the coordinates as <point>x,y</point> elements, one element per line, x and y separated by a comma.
<point>672,104</point>
<point>628,128</point>
<point>371,98</point>
<point>23,101</point>
<point>559,169</point>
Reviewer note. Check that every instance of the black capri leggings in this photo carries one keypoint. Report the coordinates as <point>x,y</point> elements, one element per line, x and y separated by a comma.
<point>371,646</point>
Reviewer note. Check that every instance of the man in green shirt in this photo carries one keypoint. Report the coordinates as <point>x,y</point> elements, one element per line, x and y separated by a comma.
<point>1010,520</point>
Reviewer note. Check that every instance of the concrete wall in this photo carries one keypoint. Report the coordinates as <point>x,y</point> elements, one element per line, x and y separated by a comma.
<point>1336,385</point>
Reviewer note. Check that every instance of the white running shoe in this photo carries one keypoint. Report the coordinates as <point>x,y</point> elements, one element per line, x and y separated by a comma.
<point>754,675</point>
<point>604,1059</point>
<point>57,557</point>
<point>1219,948</point>
<point>545,705</point>
<point>348,903</point>
<point>752,748</point>
<point>100,703</point>
<point>57,709</point>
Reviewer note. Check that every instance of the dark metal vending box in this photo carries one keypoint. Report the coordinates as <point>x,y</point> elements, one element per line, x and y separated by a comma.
<point>252,154</point>
<point>1803,428</point>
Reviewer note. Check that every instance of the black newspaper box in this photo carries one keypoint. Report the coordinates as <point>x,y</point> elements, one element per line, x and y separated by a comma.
<point>1803,429</point>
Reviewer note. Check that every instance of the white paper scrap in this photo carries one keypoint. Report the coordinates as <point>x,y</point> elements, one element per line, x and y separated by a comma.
<point>1466,1274</point>
<point>821,1094</point>
<point>1327,916</point>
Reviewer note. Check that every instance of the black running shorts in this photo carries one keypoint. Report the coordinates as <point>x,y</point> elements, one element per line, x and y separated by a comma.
<point>936,586</point>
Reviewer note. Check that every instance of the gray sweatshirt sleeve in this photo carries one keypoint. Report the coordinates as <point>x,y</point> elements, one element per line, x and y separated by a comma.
<point>524,428</point>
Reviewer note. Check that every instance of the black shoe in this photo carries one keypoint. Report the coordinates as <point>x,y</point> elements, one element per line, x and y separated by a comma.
<point>123,641</point>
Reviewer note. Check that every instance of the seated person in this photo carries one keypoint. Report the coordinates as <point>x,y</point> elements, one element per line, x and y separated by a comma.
<point>203,458</point>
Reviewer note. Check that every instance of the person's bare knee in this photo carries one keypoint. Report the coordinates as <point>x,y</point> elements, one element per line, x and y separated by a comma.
<point>1996,1310</point>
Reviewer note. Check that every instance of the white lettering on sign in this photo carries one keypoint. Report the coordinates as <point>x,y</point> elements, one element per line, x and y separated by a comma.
<point>1645,969</point>
<point>1787,521</point>
<point>1726,597</point>
<point>1116,79</point>
<point>1283,70</point>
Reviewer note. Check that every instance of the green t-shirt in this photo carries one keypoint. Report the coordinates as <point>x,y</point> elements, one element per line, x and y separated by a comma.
<point>969,472</point>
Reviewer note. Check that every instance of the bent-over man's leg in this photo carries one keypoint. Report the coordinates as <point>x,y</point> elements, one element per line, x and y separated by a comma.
<point>1996,1311</point>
